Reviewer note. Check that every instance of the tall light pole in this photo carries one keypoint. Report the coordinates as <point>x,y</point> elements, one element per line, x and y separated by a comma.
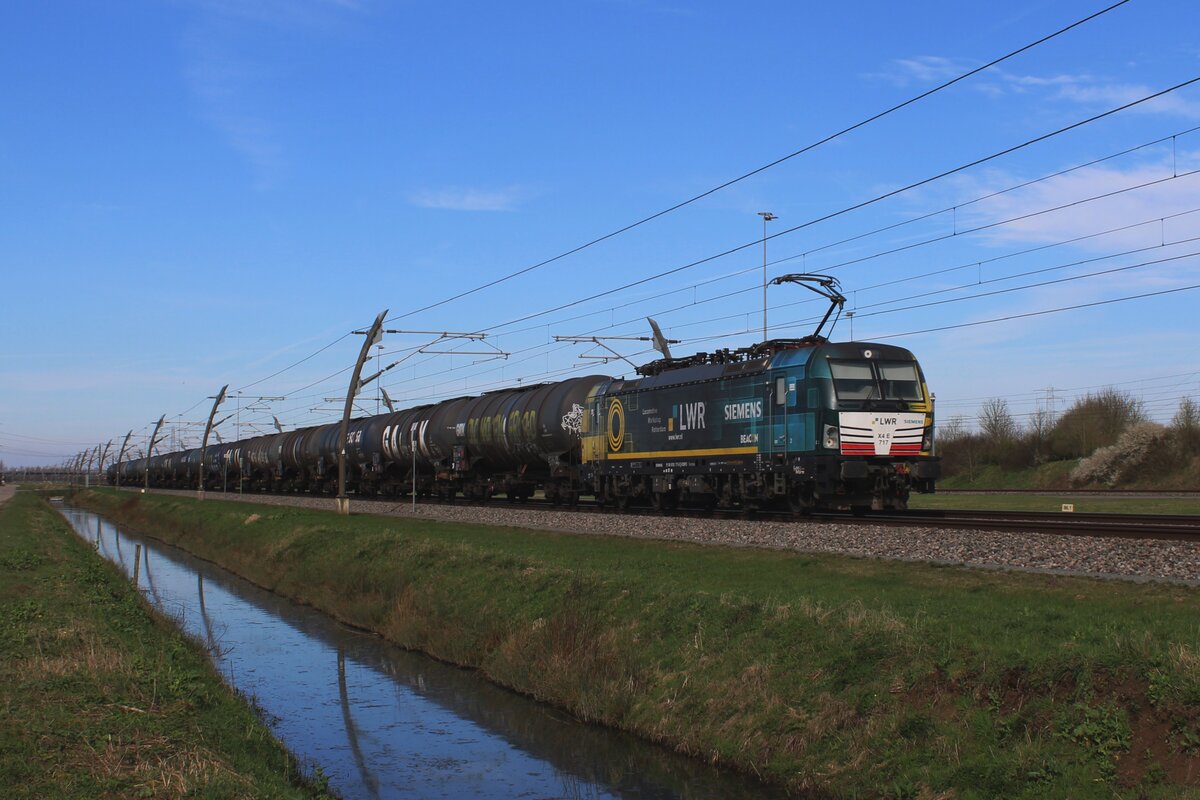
<point>767,217</point>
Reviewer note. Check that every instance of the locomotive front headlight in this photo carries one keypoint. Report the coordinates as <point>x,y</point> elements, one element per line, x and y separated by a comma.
<point>831,437</point>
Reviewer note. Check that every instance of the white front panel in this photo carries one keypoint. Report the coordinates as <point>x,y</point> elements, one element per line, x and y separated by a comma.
<point>876,433</point>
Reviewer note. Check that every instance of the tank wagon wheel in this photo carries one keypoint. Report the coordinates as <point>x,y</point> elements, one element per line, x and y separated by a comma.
<point>859,510</point>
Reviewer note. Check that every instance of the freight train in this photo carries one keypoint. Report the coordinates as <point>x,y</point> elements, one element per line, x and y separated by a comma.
<point>805,424</point>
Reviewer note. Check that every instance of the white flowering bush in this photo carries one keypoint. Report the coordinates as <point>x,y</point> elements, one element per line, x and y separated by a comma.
<point>1138,450</point>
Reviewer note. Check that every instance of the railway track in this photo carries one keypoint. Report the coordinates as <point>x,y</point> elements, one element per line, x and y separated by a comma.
<point>1184,528</point>
<point>1126,526</point>
<point>1077,492</point>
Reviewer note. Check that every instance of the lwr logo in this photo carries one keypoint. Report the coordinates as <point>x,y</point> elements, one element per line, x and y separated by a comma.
<point>691,416</point>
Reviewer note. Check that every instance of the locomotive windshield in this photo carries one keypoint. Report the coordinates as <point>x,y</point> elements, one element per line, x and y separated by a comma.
<point>876,380</point>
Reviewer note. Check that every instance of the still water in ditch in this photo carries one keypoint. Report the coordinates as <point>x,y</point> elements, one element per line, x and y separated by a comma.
<point>382,722</point>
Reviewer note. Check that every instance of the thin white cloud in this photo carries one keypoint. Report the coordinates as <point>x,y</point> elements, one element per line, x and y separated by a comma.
<point>229,83</point>
<point>468,199</point>
<point>923,69</point>
<point>1044,80</point>
<point>1152,202</point>
<point>1081,89</point>
<point>224,84</point>
<point>1116,94</point>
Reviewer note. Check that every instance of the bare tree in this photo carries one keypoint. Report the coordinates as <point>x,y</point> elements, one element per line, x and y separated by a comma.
<point>952,429</point>
<point>1185,428</point>
<point>996,422</point>
<point>1094,421</point>
<point>1041,423</point>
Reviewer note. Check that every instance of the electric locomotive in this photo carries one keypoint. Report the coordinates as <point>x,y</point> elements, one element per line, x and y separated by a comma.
<point>804,422</point>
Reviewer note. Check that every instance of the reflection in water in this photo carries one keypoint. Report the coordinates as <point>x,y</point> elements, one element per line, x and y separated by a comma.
<point>382,722</point>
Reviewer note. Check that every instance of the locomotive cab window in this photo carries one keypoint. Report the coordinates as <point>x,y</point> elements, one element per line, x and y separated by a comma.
<point>854,380</point>
<point>876,380</point>
<point>899,380</point>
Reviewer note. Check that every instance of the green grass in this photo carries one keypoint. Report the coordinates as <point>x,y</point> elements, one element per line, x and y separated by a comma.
<point>847,677</point>
<point>1084,503</point>
<point>1055,475</point>
<point>99,697</point>
<point>989,476</point>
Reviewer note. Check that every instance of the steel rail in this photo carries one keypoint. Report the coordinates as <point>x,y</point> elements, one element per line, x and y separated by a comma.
<point>1175,527</point>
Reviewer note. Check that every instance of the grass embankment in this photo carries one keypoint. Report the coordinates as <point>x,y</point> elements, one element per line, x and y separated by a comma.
<point>1056,476</point>
<point>100,697</point>
<point>849,677</point>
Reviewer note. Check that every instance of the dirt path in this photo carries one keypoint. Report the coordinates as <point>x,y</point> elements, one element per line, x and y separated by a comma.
<point>6,492</point>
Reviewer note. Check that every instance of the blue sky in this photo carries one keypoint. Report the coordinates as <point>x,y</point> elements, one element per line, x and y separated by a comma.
<point>205,192</point>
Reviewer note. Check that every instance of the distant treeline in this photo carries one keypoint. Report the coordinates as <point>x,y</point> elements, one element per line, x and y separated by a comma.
<point>1107,433</point>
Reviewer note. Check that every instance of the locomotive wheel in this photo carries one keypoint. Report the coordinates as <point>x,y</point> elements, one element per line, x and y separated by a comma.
<point>665,502</point>
<point>798,506</point>
<point>622,501</point>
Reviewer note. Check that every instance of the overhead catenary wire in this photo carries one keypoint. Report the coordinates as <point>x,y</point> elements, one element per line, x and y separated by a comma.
<point>1034,394</point>
<point>807,148</point>
<point>341,371</point>
<point>976,263</point>
<point>944,174</point>
<point>966,232</point>
<point>1114,270</point>
<point>919,218</point>
<point>1026,274</point>
<point>1029,314</point>
<point>972,264</point>
<point>848,209</point>
<point>407,396</point>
